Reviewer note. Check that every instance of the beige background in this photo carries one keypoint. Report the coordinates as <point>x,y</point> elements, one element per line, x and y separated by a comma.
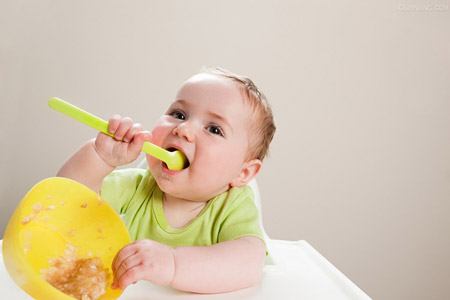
<point>360,165</point>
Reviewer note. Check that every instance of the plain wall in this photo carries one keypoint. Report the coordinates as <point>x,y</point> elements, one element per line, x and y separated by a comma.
<point>360,164</point>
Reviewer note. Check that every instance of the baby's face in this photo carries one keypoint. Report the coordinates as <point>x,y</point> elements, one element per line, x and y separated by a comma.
<point>208,122</point>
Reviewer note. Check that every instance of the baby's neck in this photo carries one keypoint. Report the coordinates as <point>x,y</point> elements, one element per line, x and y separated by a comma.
<point>180,212</point>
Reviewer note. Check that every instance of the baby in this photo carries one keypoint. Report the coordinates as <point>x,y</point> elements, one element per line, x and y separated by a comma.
<point>195,229</point>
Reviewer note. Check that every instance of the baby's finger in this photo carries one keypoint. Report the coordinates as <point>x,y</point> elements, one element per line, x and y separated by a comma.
<point>130,276</point>
<point>127,264</point>
<point>114,123</point>
<point>138,142</point>
<point>123,253</point>
<point>132,132</point>
<point>123,128</point>
<point>148,136</point>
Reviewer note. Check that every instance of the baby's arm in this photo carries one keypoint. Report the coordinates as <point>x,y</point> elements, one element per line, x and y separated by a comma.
<point>223,267</point>
<point>99,157</point>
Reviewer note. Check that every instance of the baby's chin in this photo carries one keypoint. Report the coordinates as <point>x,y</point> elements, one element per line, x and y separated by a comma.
<point>181,193</point>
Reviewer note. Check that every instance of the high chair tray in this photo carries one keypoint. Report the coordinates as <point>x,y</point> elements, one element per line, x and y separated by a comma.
<point>300,272</point>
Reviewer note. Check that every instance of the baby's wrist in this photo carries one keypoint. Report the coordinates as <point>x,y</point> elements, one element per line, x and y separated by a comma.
<point>101,158</point>
<point>174,267</point>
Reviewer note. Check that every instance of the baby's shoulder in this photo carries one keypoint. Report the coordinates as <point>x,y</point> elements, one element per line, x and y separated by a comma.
<point>235,196</point>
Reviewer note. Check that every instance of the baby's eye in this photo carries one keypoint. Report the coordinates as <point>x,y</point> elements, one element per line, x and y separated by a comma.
<point>178,115</point>
<point>215,130</point>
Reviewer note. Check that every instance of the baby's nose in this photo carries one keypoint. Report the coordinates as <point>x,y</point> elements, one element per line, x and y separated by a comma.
<point>185,131</point>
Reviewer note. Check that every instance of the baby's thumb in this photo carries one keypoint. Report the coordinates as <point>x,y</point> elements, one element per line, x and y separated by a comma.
<point>139,139</point>
<point>148,136</point>
<point>136,144</point>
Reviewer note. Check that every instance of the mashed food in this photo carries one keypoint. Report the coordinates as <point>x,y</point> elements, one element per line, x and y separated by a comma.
<point>81,278</point>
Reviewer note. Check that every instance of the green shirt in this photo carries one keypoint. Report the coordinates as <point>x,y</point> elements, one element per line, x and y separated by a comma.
<point>134,194</point>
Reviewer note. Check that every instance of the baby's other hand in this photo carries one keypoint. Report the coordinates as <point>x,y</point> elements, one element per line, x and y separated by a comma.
<point>143,260</point>
<point>126,144</point>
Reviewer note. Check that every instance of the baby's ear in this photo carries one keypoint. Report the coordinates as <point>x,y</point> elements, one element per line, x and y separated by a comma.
<point>249,170</point>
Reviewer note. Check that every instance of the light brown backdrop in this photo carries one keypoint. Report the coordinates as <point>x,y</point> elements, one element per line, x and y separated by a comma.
<point>360,165</point>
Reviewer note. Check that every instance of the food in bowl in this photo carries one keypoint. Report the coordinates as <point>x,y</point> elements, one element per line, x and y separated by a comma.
<point>55,213</point>
<point>80,278</point>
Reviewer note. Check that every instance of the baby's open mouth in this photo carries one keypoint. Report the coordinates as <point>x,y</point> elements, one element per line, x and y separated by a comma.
<point>186,162</point>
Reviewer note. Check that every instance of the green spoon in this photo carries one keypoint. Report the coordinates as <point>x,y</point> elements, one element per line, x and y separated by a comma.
<point>175,160</point>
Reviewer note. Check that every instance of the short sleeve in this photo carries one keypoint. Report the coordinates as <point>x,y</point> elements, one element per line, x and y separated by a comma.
<point>242,218</point>
<point>119,187</point>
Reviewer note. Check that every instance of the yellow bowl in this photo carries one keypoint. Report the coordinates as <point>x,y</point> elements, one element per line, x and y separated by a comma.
<point>55,213</point>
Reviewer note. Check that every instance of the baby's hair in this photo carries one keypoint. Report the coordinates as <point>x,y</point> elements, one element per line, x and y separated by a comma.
<point>262,125</point>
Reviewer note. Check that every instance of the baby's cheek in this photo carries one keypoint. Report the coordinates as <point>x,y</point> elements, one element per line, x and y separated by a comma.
<point>158,135</point>
<point>162,130</point>
<point>154,164</point>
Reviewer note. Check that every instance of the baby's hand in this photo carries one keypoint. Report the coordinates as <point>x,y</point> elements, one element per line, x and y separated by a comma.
<point>143,260</point>
<point>126,145</point>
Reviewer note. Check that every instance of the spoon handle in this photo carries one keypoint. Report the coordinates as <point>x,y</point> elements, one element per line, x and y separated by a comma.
<point>79,115</point>
<point>101,125</point>
<point>174,160</point>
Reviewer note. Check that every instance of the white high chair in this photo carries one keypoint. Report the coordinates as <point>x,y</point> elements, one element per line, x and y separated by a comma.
<point>293,270</point>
